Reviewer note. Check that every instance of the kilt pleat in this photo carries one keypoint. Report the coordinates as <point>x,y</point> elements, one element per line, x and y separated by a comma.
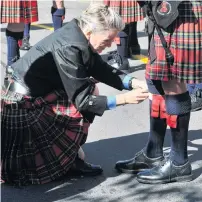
<point>184,37</point>
<point>39,142</point>
<point>130,11</point>
<point>16,11</point>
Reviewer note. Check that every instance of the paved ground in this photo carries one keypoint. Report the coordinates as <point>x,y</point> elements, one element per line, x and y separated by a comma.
<point>119,134</point>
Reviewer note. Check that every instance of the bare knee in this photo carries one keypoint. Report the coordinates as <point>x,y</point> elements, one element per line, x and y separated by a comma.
<point>15,27</point>
<point>173,87</point>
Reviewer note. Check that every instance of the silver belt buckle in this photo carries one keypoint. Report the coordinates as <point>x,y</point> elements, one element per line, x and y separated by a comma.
<point>20,89</point>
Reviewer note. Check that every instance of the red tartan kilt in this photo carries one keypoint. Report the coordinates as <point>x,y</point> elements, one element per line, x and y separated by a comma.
<point>130,11</point>
<point>16,11</point>
<point>39,138</point>
<point>185,44</point>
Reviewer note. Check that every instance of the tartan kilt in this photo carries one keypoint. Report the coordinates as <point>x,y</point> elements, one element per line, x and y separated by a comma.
<point>16,11</point>
<point>184,37</point>
<point>130,11</point>
<point>40,138</point>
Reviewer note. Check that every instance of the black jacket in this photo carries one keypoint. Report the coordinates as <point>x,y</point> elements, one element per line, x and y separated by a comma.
<point>65,60</point>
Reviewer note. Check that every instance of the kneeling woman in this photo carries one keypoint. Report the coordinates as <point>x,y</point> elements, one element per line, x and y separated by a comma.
<point>50,100</point>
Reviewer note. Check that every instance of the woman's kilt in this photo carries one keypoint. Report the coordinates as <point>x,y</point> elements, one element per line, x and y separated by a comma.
<point>40,138</point>
<point>16,11</point>
<point>184,37</point>
<point>130,11</point>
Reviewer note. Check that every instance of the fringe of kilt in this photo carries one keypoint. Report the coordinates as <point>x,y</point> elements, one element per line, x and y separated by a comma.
<point>130,11</point>
<point>16,11</point>
<point>40,138</point>
<point>184,37</point>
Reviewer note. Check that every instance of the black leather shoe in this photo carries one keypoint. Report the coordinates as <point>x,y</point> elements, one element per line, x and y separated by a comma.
<point>196,100</point>
<point>139,163</point>
<point>115,60</point>
<point>166,173</point>
<point>83,168</point>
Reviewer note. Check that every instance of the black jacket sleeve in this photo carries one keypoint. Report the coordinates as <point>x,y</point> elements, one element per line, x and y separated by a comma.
<point>105,73</point>
<point>72,67</point>
<point>141,3</point>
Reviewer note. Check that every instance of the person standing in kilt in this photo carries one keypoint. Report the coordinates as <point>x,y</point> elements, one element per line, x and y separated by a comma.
<point>58,13</point>
<point>52,99</point>
<point>16,13</point>
<point>170,103</point>
<point>126,40</point>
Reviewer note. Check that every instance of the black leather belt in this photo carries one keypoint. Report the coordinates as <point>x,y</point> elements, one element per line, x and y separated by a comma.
<point>15,87</point>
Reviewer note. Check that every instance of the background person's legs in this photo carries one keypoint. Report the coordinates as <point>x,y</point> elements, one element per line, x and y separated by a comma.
<point>14,33</point>
<point>58,13</point>
<point>119,58</point>
<point>133,39</point>
<point>122,47</point>
<point>25,41</point>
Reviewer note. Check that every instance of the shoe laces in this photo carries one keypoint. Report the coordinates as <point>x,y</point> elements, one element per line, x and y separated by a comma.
<point>138,153</point>
<point>165,160</point>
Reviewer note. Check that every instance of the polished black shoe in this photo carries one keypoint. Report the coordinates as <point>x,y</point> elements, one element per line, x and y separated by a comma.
<point>25,44</point>
<point>196,100</point>
<point>82,168</point>
<point>165,173</point>
<point>115,60</point>
<point>139,163</point>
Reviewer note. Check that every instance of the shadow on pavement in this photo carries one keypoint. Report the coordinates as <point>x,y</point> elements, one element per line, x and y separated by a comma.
<point>106,152</point>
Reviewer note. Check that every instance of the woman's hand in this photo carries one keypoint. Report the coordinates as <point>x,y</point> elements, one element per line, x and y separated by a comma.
<point>132,97</point>
<point>136,96</point>
<point>136,83</point>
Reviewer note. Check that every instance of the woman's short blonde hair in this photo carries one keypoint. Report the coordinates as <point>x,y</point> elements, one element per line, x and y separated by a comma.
<point>99,17</point>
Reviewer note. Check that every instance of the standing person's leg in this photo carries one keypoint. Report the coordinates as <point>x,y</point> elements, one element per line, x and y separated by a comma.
<point>119,58</point>
<point>131,12</point>
<point>152,154</point>
<point>14,33</point>
<point>25,42</point>
<point>122,48</point>
<point>138,15</point>
<point>133,39</point>
<point>58,13</point>
<point>177,166</point>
